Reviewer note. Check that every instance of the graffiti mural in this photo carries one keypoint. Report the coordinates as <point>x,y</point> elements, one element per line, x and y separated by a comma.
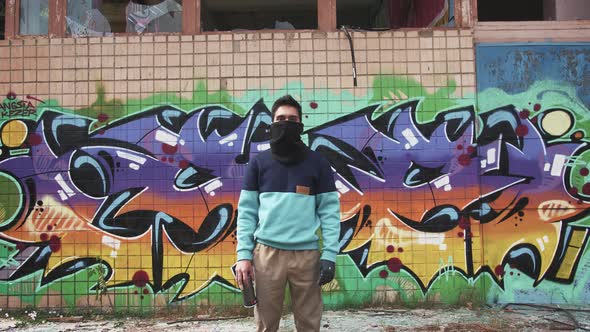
<point>484,201</point>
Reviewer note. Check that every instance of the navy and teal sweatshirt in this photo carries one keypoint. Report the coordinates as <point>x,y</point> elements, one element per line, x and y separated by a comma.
<point>283,206</point>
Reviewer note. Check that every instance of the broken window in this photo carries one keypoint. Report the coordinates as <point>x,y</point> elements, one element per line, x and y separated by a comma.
<point>394,14</point>
<point>2,18</point>
<point>532,10</point>
<point>226,15</point>
<point>34,17</point>
<point>104,17</point>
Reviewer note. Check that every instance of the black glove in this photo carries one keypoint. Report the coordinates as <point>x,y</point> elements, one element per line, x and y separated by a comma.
<point>327,270</point>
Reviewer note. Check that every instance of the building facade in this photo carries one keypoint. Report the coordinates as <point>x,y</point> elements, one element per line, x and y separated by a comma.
<point>457,139</point>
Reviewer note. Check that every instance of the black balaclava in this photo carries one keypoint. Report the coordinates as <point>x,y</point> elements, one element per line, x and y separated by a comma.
<point>285,142</point>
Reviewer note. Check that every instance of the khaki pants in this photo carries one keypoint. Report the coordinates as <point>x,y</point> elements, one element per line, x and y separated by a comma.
<point>273,269</point>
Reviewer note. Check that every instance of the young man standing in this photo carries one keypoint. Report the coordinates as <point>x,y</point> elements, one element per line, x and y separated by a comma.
<point>287,195</point>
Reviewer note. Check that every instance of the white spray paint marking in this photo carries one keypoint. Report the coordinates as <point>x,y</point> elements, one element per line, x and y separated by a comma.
<point>111,242</point>
<point>134,166</point>
<point>492,156</point>
<point>212,186</point>
<point>557,166</point>
<point>341,187</point>
<point>62,195</point>
<point>129,156</point>
<point>263,147</point>
<point>166,137</point>
<point>409,135</point>
<point>62,183</point>
<point>547,167</point>
<point>229,139</point>
<point>541,244</point>
<point>442,181</point>
<point>483,163</point>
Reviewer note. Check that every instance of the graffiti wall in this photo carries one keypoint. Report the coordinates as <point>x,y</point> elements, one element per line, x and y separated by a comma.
<point>541,232</point>
<point>444,197</point>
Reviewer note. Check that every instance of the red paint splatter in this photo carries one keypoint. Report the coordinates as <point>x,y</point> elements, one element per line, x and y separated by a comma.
<point>471,149</point>
<point>44,237</point>
<point>163,159</point>
<point>584,171</point>
<point>11,95</point>
<point>537,107</point>
<point>170,159</point>
<point>313,105</point>
<point>34,139</point>
<point>140,278</point>
<point>573,191</point>
<point>145,291</point>
<point>169,149</point>
<point>383,274</point>
<point>49,227</point>
<point>101,132</point>
<point>522,130</point>
<point>390,248</point>
<point>499,270</point>
<point>511,273</point>
<point>524,114</point>
<point>464,160</point>
<point>459,147</point>
<point>464,223</point>
<point>535,119</point>
<point>135,292</point>
<point>183,164</point>
<point>400,249</point>
<point>460,234</point>
<point>54,243</point>
<point>20,246</point>
<point>102,117</point>
<point>394,264</point>
<point>586,189</point>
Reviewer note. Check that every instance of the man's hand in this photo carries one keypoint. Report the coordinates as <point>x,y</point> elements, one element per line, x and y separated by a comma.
<point>244,271</point>
<point>327,270</point>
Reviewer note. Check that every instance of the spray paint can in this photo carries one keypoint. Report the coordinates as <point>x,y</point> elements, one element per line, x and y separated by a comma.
<point>249,294</point>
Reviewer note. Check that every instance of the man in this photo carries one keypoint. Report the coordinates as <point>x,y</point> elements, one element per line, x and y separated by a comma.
<point>287,195</point>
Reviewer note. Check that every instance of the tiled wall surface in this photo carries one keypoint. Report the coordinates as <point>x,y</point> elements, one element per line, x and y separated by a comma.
<point>139,66</point>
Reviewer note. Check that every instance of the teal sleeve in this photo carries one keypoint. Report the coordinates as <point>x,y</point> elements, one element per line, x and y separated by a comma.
<point>328,209</point>
<point>247,221</point>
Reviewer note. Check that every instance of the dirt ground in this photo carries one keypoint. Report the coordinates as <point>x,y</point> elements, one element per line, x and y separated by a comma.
<point>510,318</point>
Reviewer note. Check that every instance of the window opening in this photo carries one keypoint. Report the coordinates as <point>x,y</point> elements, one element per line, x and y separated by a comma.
<point>105,17</point>
<point>2,18</point>
<point>228,15</point>
<point>394,14</point>
<point>532,10</point>
<point>34,17</point>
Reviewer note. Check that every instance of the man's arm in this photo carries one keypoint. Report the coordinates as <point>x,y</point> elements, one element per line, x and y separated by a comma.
<point>328,210</point>
<point>248,212</point>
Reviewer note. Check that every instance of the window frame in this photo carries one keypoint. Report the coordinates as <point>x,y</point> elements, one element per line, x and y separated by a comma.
<point>191,20</point>
<point>528,31</point>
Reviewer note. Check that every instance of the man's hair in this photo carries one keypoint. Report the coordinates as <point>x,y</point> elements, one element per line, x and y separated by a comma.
<point>286,100</point>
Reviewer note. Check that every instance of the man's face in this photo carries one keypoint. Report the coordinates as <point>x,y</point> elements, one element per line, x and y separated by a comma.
<point>286,113</point>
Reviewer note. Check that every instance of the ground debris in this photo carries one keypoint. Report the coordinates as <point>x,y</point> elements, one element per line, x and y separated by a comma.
<point>388,319</point>
<point>67,319</point>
